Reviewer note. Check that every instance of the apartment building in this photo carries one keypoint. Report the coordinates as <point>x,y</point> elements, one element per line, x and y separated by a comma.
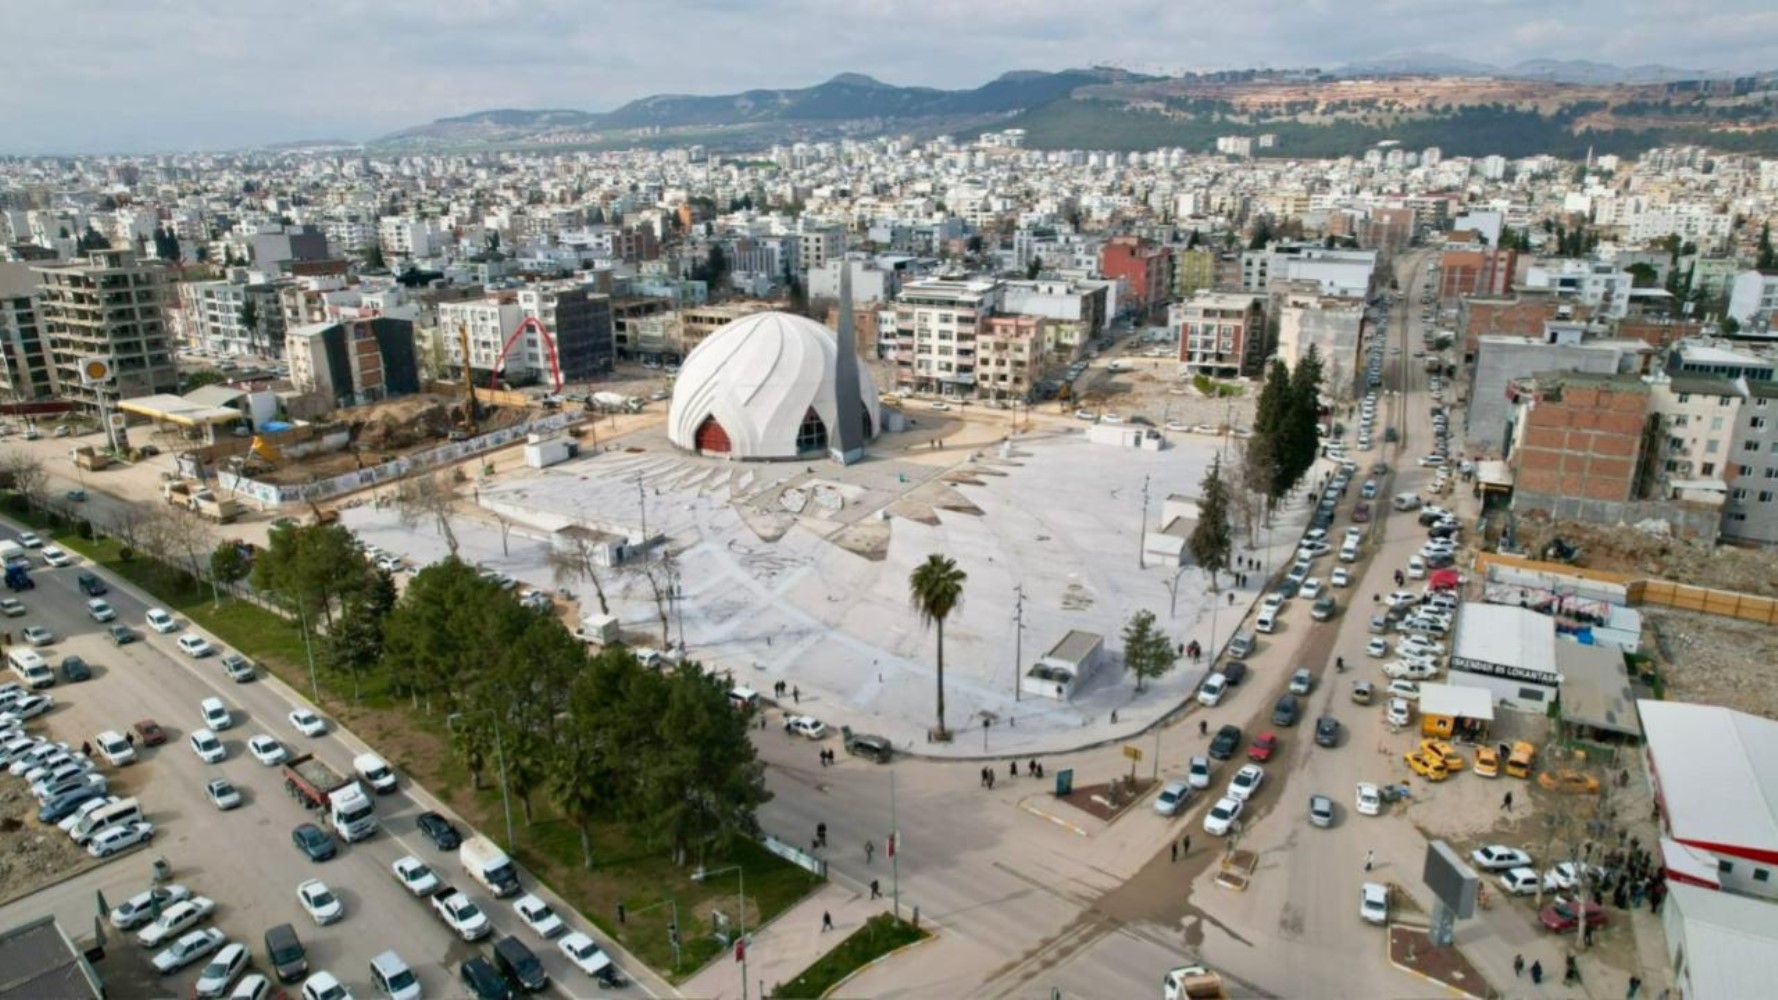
<point>939,324</point>
<point>1695,417</point>
<point>354,362</point>
<point>1087,302</point>
<point>1332,326</point>
<point>1008,357</point>
<point>108,305</point>
<point>1193,271</point>
<point>215,311</point>
<point>1753,298</point>
<point>1603,287</point>
<point>1145,269</point>
<point>1477,270</point>
<point>489,321</point>
<point>1500,361</point>
<point>24,363</point>
<point>1579,438</point>
<point>697,324</point>
<point>1750,513</point>
<point>579,325</point>
<point>816,246</point>
<point>1221,334</point>
<point>1342,272</point>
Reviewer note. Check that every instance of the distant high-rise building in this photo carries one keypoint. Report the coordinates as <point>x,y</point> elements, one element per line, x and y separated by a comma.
<point>109,305</point>
<point>24,365</point>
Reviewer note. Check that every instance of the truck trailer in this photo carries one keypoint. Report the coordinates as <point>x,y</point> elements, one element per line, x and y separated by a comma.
<point>310,781</point>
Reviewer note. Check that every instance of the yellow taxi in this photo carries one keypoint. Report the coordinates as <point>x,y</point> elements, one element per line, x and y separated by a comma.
<point>1426,766</point>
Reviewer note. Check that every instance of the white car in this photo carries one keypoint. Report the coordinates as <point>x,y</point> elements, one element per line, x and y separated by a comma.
<point>1311,549</point>
<point>1222,816</point>
<point>222,970</point>
<point>208,748</point>
<point>194,645</point>
<point>1373,904</point>
<point>267,750</point>
<point>1498,857</point>
<point>12,607</point>
<point>1403,690</point>
<point>307,722</point>
<point>1422,645</point>
<point>1568,875</point>
<point>1519,881</point>
<point>1339,577</point>
<point>1197,774</point>
<point>1246,781</point>
<point>223,795</point>
<point>176,919</point>
<point>1411,670</point>
<point>114,748</point>
<point>324,985</point>
<point>30,540</point>
<point>1369,799</point>
<point>119,837</point>
<point>56,557</point>
<point>1311,588</point>
<point>1399,714</point>
<point>585,953</point>
<point>320,901</point>
<point>139,909</point>
<point>803,725</point>
<point>1273,602</point>
<point>161,622</point>
<point>1378,647</point>
<point>1402,599</point>
<point>101,610</point>
<point>414,876</point>
<point>1172,797</point>
<point>187,950</point>
<point>252,986</point>
<point>538,916</point>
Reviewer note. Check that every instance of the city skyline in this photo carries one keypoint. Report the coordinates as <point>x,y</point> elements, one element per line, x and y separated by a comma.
<point>111,77</point>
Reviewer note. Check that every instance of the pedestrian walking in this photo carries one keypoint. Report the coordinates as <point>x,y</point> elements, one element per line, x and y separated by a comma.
<point>86,749</point>
<point>821,834</point>
<point>1370,858</point>
<point>1537,973</point>
<point>130,738</point>
<point>1518,966</point>
<point>990,779</point>
<point>1185,844</point>
<point>796,695</point>
<point>1507,803</point>
<point>875,891</point>
<point>826,921</point>
<point>1012,768</point>
<point>983,778</point>
<point>870,851</point>
<point>1635,987</point>
<point>1203,727</point>
<point>1175,853</point>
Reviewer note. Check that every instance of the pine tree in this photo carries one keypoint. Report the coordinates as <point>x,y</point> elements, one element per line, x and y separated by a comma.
<point>1768,259</point>
<point>1148,652</point>
<point>1271,431</point>
<point>1304,416</point>
<point>1211,540</point>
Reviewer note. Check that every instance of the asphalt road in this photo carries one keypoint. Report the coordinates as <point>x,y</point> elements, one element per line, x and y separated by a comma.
<point>243,859</point>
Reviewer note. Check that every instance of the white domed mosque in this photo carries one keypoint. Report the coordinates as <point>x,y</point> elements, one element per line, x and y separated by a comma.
<point>776,386</point>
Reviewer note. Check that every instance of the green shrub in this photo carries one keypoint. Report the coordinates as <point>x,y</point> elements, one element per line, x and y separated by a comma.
<point>125,554</point>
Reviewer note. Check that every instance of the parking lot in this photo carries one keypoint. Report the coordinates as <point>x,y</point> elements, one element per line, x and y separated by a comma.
<point>244,858</point>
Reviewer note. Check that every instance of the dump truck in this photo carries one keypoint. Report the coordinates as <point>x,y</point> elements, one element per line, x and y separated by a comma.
<point>90,458</point>
<point>201,501</point>
<point>309,780</point>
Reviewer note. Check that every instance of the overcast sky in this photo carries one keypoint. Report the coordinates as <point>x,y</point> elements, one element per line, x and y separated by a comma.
<point>142,75</point>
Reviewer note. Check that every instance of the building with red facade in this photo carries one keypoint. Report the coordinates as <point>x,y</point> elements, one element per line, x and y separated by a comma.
<point>1145,268</point>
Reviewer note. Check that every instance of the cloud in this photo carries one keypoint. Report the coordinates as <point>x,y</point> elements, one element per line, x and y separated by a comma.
<point>128,75</point>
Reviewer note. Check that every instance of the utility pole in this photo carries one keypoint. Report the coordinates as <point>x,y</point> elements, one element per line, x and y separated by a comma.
<point>1142,535</point>
<point>894,850</point>
<point>1018,642</point>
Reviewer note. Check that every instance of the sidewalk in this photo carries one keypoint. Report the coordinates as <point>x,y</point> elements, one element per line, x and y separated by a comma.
<point>782,949</point>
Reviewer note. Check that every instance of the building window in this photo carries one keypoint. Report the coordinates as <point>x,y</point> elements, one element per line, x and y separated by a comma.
<point>1765,496</point>
<point>1725,867</point>
<point>1684,398</point>
<point>1750,446</point>
<point>1722,400</point>
<point>1737,517</point>
<point>1708,470</point>
<point>1745,470</point>
<point>1738,494</point>
<point>1758,422</point>
<point>1710,446</point>
<point>1762,875</point>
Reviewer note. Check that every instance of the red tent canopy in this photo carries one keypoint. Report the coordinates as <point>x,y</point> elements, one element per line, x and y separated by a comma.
<point>1444,579</point>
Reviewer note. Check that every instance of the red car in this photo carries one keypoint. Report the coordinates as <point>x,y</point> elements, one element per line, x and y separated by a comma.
<point>151,733</point>
<point>1559,916</point>
<point>1361,513</point>
<point>1262,747</point>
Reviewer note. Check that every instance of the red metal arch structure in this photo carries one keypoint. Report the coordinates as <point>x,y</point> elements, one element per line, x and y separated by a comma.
<point>549,344</point>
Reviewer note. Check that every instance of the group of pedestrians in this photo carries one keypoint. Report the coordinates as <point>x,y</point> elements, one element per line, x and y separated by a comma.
<point>1033,768</point>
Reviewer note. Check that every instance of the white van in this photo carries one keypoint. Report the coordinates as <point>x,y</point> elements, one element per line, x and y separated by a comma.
<point>31,667</point>
<point>375,771</point>
<point>1349,551</point>
<point>1405,501</point>
<point>1267,621</point>
<point>216,714</point>
<point>121,811</point>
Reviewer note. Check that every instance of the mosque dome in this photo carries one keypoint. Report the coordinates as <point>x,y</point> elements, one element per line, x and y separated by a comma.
<point>765,387</point>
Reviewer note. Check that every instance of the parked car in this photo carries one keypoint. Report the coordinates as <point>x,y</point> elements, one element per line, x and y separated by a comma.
<point>1225,743</point>
<point>1497,857</point>
<point>1222,816</point>
<point>1562,916</point>
<point>1373,903</point>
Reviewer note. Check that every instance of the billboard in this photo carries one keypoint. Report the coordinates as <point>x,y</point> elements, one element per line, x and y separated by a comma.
<point>1451,879</point>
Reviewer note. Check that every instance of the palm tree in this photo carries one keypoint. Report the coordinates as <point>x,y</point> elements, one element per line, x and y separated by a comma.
<point>936,588</point>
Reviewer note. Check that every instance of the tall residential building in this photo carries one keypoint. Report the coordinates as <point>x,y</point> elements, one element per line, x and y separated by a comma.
<point>938,328</point>
<point>354,362</point>
<point>213,317</point>
<point>489,322</point>
<point>1008,355</point>
<point>1193,271</point>
<point>1697,416</point>
<point>1143,267</point>
<point>1751,511</point>
<point>816,246</point>
<point>109,305</point>
<point>1220,333</point>
<point>1477,270</point>
<point>24,364</point>
<point>579,323</point>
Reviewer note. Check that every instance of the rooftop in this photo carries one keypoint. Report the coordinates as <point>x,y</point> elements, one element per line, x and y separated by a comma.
<point>1731,941</point>
<point>1713,765</point>
<point>1505,635</point>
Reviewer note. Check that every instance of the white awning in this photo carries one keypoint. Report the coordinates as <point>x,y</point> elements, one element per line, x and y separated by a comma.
<point>1457,702</point>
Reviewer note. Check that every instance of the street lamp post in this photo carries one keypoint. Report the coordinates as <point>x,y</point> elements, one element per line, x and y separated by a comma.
<point>499,760</point>
<point>741,931</point>
<point>302,613</point>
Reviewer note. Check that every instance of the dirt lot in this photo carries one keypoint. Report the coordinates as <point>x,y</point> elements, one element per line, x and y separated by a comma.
<point>1615,549</point>
<point>32,855</point>
<point>1715,661</point>
<point>382,431</point>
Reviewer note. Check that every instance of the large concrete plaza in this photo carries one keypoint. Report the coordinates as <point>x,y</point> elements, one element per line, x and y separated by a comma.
<point>799,572</point>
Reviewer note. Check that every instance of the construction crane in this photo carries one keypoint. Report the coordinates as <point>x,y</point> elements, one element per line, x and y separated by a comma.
<point>468,380</point>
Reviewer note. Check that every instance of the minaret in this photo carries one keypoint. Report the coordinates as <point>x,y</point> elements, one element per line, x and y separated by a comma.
<point>846,442</point>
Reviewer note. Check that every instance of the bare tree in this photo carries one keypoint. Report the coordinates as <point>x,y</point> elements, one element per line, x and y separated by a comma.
<point>429,496</point>
<point>27,474</point>
<point>185,540</point>
<point>572,558</point>
<point>662,575</point>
